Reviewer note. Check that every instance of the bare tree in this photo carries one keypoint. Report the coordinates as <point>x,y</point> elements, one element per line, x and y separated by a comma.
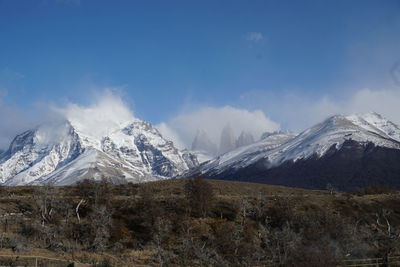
<point>282,243</point>
<point>163,227</point>
<point>331,188</point>
<point>101,223</point>
<point>82,201</point>
<point>386,236</point>
<point>45,199</point>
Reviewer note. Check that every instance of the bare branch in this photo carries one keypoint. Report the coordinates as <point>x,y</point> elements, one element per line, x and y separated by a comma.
<point>77,209</point>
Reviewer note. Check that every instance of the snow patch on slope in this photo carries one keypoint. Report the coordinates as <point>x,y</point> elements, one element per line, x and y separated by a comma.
<point>136,152</point>
<point>315,141</point>
<point>244,155</point>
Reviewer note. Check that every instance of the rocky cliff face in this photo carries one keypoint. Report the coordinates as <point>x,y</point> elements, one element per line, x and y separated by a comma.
<point>62,153</point>
<point>228,140</point>
<point>203,143</point>
<point>244,139</point>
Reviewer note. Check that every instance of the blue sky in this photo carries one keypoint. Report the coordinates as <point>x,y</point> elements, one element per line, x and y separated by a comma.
<point>173,57</point>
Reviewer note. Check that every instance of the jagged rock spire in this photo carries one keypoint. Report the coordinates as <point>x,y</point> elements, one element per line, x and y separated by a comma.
<point>244,139</point>
<point>202,142</point>
<point>228,140</point>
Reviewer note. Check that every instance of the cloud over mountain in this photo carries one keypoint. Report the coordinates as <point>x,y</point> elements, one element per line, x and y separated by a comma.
<point>107,112</point>
<point>296,111</point>
<point>212,120</point>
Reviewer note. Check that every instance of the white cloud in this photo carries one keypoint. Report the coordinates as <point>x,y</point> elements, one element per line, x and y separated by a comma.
<point>108,111</point>
<point>254,36</point>
<point>297,112</point>
<point>171,135</point>
<point>105,114</point>
<point>293,110</point>
<point>385,102</point>
<point>183,127</point>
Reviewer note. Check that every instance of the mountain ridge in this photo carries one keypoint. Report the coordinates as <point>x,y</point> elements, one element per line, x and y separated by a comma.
<point>65,152</point>
<point>313,144</point>
<point>133,151</point>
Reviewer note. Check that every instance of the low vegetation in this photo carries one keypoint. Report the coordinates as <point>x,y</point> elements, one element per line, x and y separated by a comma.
<point>197,222</point>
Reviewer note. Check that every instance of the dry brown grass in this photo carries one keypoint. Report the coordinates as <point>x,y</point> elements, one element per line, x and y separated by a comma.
<point>13,200</point>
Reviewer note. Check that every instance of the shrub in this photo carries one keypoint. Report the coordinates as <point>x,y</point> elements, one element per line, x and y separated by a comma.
<point>104,263</point>
<point>376,190</point>
<point>200,195</point>
<point>225,210</point>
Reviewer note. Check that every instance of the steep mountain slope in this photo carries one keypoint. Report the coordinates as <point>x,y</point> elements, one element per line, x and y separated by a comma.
<point>64,153</point>
<point>242,156</point>
<point>201,156</point>
<point>352,167</point>
<point>39,152</point>
<point>92,164</point>
<point>348,152</point>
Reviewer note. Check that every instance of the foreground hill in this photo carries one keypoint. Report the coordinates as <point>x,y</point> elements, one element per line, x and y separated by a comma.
<point>348,152</point>
<point>196,222</point>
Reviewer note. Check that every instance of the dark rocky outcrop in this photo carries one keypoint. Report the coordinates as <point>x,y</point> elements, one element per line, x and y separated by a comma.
<point>349,168</point>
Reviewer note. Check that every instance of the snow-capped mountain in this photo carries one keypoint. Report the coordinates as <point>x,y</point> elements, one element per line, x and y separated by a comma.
<point>364,140</point>
<point>242,156</point>
<point>363,129</point>
<point>66,152</point>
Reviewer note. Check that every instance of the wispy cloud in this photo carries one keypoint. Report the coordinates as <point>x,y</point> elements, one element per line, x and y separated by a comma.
<point>254,36</point>
<point>182,128</point>
<point>107,112</point>
<point>258,112</point>
<point>69,2</point>
<point>297,112</point>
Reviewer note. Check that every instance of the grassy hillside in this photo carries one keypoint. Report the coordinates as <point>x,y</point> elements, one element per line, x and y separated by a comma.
<point>196,222</point>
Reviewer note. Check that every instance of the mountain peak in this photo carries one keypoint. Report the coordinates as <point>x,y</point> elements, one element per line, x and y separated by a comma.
<point>244,139</point>
<point>368,116</point>
<point>202,142</point>
<point>374,122</point>
<point>228,140</point>
<point>59,153</point>
<point>315,142</point>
